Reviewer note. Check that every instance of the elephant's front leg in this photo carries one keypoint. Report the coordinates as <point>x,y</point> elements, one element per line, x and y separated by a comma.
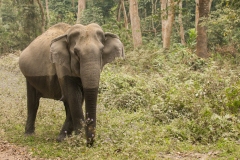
<point>67,127</point>
<point>73,100</point>
<point>77,114</point>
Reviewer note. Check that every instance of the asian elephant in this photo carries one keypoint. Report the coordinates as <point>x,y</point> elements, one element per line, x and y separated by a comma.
<point>64,63</point>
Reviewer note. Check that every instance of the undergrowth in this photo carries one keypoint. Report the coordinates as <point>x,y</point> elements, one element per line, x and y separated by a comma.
<point>151,105</point>
<point>199,99</point>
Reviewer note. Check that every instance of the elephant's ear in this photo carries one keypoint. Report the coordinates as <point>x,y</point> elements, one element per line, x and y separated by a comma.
<point>59,51</point>
<point>113,48</point>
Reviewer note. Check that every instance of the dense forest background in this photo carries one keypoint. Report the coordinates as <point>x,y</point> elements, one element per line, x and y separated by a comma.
<point>22,20</point>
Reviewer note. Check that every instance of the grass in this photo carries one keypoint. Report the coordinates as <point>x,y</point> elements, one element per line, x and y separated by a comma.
<point>152,105</point>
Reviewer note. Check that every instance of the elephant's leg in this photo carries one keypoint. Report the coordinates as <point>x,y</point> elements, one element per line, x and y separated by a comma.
<point>67,126</point>
<point>73,97</point>
<point>32,107</point>
<point>75,106</point>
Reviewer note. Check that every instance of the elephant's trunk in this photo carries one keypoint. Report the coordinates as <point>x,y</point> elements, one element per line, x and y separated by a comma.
<point>90,76</point>
<point>91,103</point>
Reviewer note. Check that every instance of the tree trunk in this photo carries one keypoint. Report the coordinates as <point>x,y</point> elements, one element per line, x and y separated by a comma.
<point>202,50</point>
<point>47,11</point>
<point>210,5</point>
<point>163,17</point>
<point>124,14</point>
<point>181,24</point>
<point>196,14</point>
<point>73,3</point>
<point>119,11</point>
<point>155,6</point>
<point>42,15</point>
<point>167,22</point>
<point>81,8</point>
<point>152,20</point>
<point>0,12</point>
<point>135,23</point>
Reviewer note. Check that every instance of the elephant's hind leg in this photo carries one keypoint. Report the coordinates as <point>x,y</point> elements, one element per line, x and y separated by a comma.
<point>33,97</point>
<point>67,128</point>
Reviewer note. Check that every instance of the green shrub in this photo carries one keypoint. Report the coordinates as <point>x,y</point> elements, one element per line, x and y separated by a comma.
<point>123,92</point>
<point>233,98</point>
<point>225,40</point>
<point>198,99</point>
<point>207,128</point>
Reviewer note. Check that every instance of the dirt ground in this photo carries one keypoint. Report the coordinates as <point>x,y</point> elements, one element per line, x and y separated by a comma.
<point>10,151</point>
<point>13,152</point>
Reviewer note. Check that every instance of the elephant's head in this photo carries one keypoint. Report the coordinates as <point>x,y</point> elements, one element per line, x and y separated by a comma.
<point>82,52</point>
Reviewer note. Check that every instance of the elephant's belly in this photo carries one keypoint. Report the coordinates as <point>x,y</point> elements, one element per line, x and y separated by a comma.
<point>47,86</point>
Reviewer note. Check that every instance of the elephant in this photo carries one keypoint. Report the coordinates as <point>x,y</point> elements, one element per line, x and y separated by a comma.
<point>64,63</point>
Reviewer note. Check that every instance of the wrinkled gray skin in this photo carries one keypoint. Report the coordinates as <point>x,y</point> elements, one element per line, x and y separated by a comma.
<point>64,63</point>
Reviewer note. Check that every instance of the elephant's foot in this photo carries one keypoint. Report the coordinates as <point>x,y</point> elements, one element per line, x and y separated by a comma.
<point>29,133</point>
<point>29,129</point>
<point>60,138</point>
<point>63,135</point>
<point>90,142</point>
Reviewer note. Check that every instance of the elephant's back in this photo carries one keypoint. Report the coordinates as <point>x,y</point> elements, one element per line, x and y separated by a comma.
<point>60,26</point>
<point>44,40</point>
<point>34,60</point>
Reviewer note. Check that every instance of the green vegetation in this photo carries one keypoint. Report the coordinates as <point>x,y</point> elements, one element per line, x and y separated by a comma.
<point>151,105</point>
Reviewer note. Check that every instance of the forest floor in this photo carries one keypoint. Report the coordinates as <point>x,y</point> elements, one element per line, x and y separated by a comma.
<point>11,151</point>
